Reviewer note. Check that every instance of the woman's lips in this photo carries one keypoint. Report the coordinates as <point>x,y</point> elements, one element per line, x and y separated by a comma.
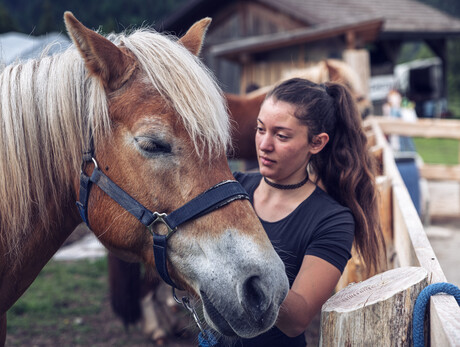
<point>266,161</point>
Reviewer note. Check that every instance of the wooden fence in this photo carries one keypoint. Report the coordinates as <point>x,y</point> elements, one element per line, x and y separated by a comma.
<point>378,310</point>
<point>428,128</point>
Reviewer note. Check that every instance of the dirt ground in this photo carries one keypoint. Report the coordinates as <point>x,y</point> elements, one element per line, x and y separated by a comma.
<point>109,332</point>
<point>443,231</point>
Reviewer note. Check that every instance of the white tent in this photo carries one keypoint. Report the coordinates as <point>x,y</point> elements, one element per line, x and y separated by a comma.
<point>17,46</point>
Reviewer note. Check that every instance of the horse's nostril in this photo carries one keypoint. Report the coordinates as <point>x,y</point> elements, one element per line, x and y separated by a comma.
<point>255,301</point>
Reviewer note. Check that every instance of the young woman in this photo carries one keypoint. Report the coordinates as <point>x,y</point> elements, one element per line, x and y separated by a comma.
<point>310,135</point>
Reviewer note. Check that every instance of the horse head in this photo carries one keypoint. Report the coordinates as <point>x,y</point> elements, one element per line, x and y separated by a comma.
<point>338,71</point>
<point>167,142</point>
<point>341,72</point>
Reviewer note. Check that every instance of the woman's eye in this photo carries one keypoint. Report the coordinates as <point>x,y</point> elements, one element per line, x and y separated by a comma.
<point>282,137</point>
<point>152,146</point>
<point>259,129</point>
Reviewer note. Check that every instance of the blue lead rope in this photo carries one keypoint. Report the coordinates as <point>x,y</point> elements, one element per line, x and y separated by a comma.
<point>420,308</point>
<point>207,339</point>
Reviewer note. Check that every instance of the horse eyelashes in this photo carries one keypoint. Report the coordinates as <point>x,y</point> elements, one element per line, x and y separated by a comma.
<point>152,146</point>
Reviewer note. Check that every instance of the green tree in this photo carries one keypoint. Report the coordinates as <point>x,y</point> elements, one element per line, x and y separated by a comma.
<point>6,21</point>
<point>452,8</point>
<point>46,23</point>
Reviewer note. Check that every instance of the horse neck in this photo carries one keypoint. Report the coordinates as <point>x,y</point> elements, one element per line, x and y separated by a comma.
<point>35,250</point>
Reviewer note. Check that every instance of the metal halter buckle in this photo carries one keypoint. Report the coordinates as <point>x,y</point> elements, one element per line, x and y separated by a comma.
<point>160,218</point>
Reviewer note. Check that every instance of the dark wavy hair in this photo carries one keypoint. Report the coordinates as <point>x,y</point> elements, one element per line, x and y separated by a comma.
<point>345,166</point>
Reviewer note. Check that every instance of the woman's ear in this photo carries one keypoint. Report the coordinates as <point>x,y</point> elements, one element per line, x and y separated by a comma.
<point>318,142</point>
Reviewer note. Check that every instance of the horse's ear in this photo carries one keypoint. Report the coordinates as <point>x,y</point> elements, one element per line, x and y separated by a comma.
<point>334,73</point>
<point>102,58</point>
<point>194,37</point>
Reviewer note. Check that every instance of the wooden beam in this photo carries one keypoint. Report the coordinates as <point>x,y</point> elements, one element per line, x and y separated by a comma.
<point>444,321</point>
<point>350,38</point>
<point>410,240</point>
<point>438,172</point>
<point>440,128</point>
<point>413,247</point>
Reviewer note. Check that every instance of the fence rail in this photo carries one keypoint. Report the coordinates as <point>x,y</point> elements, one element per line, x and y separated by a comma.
<point>406,239</point>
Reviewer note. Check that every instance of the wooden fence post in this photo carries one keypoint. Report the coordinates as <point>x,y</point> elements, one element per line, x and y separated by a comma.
<point>375,312</point>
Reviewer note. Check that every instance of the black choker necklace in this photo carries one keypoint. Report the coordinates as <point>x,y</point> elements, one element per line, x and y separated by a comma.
<point>286,186</point>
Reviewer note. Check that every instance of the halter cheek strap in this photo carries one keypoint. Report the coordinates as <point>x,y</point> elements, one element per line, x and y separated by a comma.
<point>217,196</point>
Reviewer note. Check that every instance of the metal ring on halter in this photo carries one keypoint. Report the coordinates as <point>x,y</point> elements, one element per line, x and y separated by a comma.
<point>84,163</point>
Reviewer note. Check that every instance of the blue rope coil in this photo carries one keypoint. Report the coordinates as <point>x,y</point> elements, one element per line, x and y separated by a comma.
<point>206,340</point>
<point>418,315</point>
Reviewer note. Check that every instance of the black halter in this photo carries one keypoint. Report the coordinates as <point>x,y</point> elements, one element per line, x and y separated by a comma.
<point>212,199</point>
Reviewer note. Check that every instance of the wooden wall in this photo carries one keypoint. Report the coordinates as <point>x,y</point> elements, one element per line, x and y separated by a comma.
<point>245,19</point>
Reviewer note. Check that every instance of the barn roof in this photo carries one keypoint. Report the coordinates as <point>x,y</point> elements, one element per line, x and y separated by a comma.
<point>403,19</point>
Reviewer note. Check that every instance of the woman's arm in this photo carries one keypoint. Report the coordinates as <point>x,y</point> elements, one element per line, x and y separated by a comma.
<point>313,285</point>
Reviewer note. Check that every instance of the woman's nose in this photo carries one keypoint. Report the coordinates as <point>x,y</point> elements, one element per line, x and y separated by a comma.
<point>265,143</point>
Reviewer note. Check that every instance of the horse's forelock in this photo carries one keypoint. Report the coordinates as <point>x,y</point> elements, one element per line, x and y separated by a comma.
<point>182,79</point>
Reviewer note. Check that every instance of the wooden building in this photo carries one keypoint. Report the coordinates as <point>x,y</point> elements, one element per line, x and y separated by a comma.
<point>256,40</point>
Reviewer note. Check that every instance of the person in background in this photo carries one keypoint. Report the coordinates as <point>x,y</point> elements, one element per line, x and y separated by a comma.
<point>315,196</point>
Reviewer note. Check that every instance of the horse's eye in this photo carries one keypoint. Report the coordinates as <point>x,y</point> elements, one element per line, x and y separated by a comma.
<point>151,145</point>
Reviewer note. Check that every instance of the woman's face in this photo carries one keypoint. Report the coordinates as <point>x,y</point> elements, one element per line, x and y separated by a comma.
<point>282,145</point>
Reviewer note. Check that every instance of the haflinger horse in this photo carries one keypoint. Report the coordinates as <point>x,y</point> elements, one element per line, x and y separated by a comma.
<point>126,125</point>
<point>244,109</point>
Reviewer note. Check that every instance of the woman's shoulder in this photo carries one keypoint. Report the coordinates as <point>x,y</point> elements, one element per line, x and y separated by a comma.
<point>327,205</point>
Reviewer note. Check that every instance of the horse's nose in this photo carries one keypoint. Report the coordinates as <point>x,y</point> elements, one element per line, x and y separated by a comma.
<point>254,298</point>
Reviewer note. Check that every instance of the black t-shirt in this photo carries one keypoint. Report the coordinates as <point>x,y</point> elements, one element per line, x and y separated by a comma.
<point>319,226</point>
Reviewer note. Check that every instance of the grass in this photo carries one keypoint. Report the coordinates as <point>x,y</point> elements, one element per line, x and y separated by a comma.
<point>437,151</point>
<point>68,305</point>
<point>60,294</point>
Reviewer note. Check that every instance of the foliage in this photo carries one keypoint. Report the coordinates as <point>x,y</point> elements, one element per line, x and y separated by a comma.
<point>452,8</point>
<point>37,17</point>
<point>414,50</point>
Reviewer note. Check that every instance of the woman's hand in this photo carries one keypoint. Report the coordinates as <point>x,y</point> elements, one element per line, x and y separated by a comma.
<point>313,285</point>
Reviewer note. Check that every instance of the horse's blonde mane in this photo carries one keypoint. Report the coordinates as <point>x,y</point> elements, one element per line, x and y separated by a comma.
<point>49,105</point>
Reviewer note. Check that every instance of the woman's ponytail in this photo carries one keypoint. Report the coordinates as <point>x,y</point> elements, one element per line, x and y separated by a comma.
<point>346,168</point>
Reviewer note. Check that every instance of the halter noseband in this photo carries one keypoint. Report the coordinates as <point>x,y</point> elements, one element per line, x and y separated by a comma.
<point>215,197</point>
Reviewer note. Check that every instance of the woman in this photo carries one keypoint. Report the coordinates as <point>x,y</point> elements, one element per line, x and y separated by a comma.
<point>302,125</point>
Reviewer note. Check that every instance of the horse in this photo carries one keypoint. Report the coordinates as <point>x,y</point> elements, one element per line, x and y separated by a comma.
<point>244,109</point>
<point>128,124</point>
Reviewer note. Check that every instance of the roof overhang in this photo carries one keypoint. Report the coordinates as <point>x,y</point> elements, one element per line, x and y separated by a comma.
<point>365,31</point>
<point>404,35</point>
